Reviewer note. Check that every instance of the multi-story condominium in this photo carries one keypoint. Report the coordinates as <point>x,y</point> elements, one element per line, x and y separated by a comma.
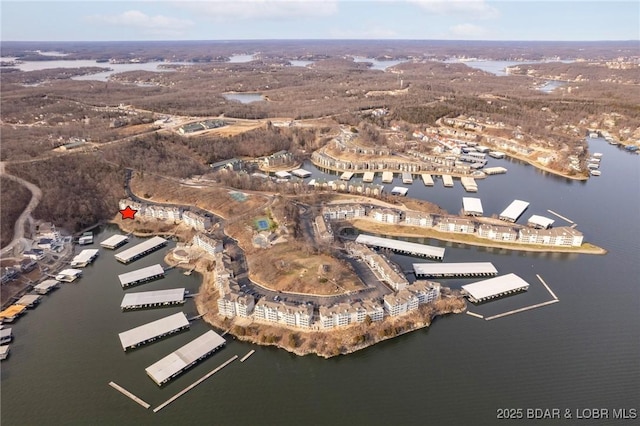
<point>378,263</point>
<point>385,215</point>
<point>283,313</point>
<point>196,221</point>
<point>324,232</point>
<point>400,303</point>
<point>454,224</point>
<point>497,233</point>
<point>361,310</point>
<point>561,236</point>
<point>343,211</point>
<point>425,291</point>
<point>234,304</point>
<point>208,243</point>
<point>418,219</point>
<point>277,159</point>
<point>335,316</point>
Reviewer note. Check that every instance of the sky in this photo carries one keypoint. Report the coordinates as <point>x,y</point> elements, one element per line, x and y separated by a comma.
<point>116,20</point>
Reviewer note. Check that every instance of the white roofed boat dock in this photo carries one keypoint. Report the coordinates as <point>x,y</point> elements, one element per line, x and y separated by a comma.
<point>152,331</point>
<point>114,241</point>
<point>493,288</point>
<point>513,211</point>
<point>141,276</point>
<point>84,258</point>
<point>414,249</point>
<point>46,286</point>
<point>140,250</point>
<point>152,299</point>
<point>451,270</point>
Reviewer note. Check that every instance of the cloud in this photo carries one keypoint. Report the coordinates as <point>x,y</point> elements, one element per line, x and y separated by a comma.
<point>467,31</point>
<point>261,9</point>
<point>478,9</point>
<point>136,20</point>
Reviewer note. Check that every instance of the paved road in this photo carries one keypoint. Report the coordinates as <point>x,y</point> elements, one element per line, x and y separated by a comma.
<point>18,231</point>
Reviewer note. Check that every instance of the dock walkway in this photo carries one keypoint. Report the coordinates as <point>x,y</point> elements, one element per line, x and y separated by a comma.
<point>194,384</point>
<point>129,394</point>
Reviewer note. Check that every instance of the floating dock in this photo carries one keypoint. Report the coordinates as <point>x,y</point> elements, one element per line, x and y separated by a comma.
<point>12,312</point>
<point>560,216</point>
<point>194,384</point>
<point>46,286</point>
<point>387,177</point>
<point>153,299</point>
<point>4,352</point>
<point>494,170</point>
<point>114,241</point>
<point>153,331</point>
<point>469,184</point>
<point>407,179</point>
<point>454,270</point>
<point>368,177</point>
<point>472,206</point>
<point>517,311</point>
<point>6,336</point>
<point>283,175</point>
<point>495,287</point>
<point>185,357</point>
<point>540,222</point>
<point>86,238</point>
<point>128,394</point>
<point>473,314</point>
<point>404,247</point>
<point>497,154</point>
<point>244,358</point>
<point>427,179</point>
<point>140,250</point>
<point>84,258</point>
<point>141,276</point>
<point>447,181</point>
<point>513,211</point>
<point>399,190</point>
<point>69,275</point>
<point>346,176</point>
<point>29,300</point>
<point>301,173</point>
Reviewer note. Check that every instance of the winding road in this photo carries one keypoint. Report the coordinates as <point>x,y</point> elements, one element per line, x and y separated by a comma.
<point>18,231</point>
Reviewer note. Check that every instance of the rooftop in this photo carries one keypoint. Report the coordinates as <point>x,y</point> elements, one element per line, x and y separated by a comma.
<point>494,287</point>
<point>137,250</point>
<point>140,274</point>
<point>405,246</point>
<point>152,297</point>
<point>514,210</point>
<point>464,268</point>
<point>153,329</point>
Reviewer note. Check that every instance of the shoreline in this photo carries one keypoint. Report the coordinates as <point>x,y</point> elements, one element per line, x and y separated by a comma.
<point>418,232</point>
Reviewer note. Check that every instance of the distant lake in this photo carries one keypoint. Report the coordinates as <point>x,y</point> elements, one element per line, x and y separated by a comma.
<point>238,59</point>
<point>244,98</point>
<point>496,67</point>
<point>550,86</point>
<point>101,76</point>
<point>377,64</point>
<point>297,63</point>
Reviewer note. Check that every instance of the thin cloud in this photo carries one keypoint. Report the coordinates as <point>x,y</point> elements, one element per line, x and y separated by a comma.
<point>152,25</point>
<point>478,9</point>
<point>261,9</point>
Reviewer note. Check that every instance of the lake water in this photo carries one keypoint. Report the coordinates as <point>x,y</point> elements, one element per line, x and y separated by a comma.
<point>244,98</point>
<point>583,352</point>
<point>377,64</point>
<point>496,67</point>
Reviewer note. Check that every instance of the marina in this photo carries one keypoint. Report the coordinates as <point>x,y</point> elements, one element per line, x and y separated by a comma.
<point>152,331</point>
<point>427,179</point>
<point>69,275</point>
<point>4,352</point>
<point>404,247</point>
<point>140,250</point>
<point>494,288</point>
<point>399,190</point>
<point>194,384</point>
<point>407,179</point>
<point>152,299</point>
<point>46,286</point>
<point>301,173</point>
<point>114,241</point>
<point>513,211</point>
<point>129,394</point>
<point>346,176</point>
<point>29,300</point>
<point>454,270</point>
<point>141,276</point>
<point>387,177</point>
<point>540,222</point>
<point>447,181</point>
<point>186,356</point>
<point>472,206</point>
<point>368,177</point>
<point>6,336</point>
<point>12,313</point>
<point>84,258</point>
<point>469,184</point>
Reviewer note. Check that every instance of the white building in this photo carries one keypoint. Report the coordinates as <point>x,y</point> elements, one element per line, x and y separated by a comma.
<point>562,236</point>
<point>454,224</point>
<point>418,219</point>
<point>343,211</point>
<point>425,291</point>
<point>284,313</point>
<point>385,215</point>
<point>400,303</point>
<point>207,243</point>
<point>196,221</point>
<point>233,304</point>
<point>497,233</point>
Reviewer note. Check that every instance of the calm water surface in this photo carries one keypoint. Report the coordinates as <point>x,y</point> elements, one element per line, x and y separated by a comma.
<point>582,352</point>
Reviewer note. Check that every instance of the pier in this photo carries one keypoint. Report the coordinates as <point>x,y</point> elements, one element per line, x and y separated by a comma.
<point>387,177</point>
<point>427,179</point>
<point>447,181</point>
<point>368,177</point>
<point>526,308</point>
<point>407,178</point>
<point>140,250</point>
<point>469,184</point>
<point>560,216</point>
<point>473,314</point>
<point>346,176</point>
<point>513,211</point>
<point>194,384</point>
<point>244,358</point>
<point>547,287</point>
<point>129,394</point>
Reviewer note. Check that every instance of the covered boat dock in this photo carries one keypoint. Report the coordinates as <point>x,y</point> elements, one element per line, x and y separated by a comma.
<point>404,247</point>
<point>494,287</point>
<point>153,330</point>
<point>141,276</point>
<point>152,299</point>
<point>140,250</point>
<point>453,270</point>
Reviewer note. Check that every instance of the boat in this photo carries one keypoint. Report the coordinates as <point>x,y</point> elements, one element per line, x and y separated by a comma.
<point>597,155</point>
<point>595,172</point>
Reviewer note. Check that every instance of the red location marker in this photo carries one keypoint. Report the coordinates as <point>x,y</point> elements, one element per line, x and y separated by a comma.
<point>128,213</point>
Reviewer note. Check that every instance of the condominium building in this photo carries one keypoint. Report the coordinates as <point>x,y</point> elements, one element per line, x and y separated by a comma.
<point>284,313</point>
<point>418,219</point>
<point>385,215</point>
<point>234,304</point>
<point>497,233</point>
<point>400,303</point>
<point>454,224</point>
<point>196,220</point>
<point>562,236</point>
<point>207,243</point>
<point>425,291</point>
<point>343,211</point>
